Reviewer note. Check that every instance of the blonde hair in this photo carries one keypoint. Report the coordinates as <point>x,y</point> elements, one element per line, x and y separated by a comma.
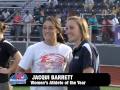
<point>83,26</point>
<point>2,27</point>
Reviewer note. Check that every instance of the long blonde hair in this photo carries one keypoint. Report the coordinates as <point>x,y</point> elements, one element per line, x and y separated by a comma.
<point>83,26</point>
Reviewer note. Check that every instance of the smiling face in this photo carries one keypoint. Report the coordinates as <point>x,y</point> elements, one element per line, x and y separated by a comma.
<point>77,29</point>
<point>49,31</point>
<point>73,31</point>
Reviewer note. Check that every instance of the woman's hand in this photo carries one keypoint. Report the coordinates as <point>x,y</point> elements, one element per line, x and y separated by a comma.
<point>4,70</point>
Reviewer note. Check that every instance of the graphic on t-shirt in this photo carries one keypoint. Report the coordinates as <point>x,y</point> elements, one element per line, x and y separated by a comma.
<point>51,62</point>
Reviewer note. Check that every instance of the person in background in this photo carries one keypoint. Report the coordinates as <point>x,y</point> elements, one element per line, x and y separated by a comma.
<point>94,26</point>
<point>7,50</point>
<point>1,16</point>
<point>104,10</point>
<point>106,29</point>
<point>111,2</point>
<point>89,4</point>
<point>17,25</point>
<point>115,10</point>
<point>42,16</point>
<point>27,19</point>
<point>5,13</point>
<point>48,56</point>
<point>115,22</point>
<point>85,55</point>
<point>52,3</point>
<point>55,3</point>
<point>106,3</point>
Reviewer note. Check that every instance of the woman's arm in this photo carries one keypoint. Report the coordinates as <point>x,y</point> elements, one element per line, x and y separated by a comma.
<point>17,57</point>
<point>88,70</point>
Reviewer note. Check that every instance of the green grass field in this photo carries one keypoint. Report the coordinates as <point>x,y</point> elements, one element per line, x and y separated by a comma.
<point>102,88</point>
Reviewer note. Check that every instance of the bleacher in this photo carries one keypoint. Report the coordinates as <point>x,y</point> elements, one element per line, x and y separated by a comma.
<point>8,3</point>
<point>77,6</point>
<point>64,6</point>
<point>15,5</point>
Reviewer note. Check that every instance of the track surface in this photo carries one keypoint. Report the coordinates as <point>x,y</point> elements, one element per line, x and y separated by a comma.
<point>114,73</point>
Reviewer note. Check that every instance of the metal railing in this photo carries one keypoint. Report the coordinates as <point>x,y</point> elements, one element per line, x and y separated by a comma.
<point>105,34</point>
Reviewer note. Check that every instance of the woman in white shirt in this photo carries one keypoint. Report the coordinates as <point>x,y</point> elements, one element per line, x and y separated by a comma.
<point>48,56</point>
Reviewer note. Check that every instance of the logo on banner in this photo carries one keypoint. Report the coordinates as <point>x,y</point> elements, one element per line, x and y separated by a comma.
<point>18,78</point>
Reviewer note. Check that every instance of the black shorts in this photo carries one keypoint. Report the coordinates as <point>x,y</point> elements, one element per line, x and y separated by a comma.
<point>95,32</point>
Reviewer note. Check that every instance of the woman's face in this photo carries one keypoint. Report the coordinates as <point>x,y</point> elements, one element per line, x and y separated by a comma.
<point>73,31</point>
<point>49,31</point>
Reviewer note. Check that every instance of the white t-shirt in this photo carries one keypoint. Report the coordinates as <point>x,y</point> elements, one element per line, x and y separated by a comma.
<point>89,1</point>
<point>27,18</point>
<point>42,58</point>
<point>6,14</point>
<point>115,21</point>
